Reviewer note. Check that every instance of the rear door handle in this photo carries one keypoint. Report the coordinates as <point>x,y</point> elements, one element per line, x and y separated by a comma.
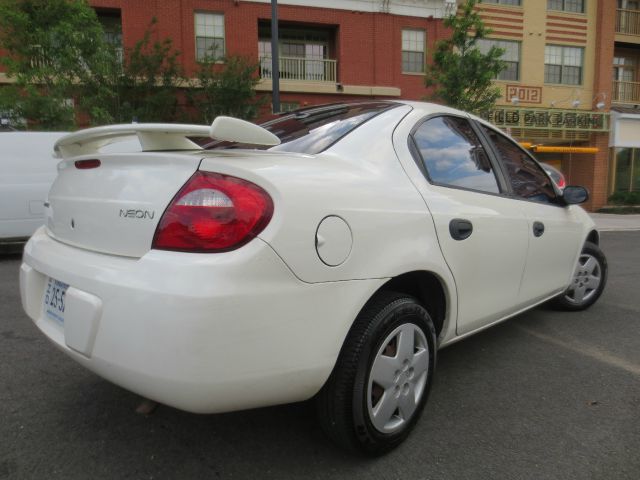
<point>459,228</point>
<point>538,229</point>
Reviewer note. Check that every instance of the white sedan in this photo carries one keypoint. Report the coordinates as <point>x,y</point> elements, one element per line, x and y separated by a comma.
<point>328,253</point>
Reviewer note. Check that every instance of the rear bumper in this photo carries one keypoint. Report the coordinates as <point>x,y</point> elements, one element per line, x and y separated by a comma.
<point>203,333</point>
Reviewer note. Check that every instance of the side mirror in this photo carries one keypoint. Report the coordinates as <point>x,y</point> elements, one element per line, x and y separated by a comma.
<point>573,195</point>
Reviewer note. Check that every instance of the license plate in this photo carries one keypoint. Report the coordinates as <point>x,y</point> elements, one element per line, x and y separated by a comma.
<point>53,300</point>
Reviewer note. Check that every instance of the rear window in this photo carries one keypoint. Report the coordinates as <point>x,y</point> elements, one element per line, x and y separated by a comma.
<point>314,129</point>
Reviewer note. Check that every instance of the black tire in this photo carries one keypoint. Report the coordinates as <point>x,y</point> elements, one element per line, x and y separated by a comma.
<point>571,299</point>
<point>343,406</point>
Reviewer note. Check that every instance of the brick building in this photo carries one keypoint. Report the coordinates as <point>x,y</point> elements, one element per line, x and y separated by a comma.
<point>557,89</point>
<point>624,171</point>
<point>329,51</point>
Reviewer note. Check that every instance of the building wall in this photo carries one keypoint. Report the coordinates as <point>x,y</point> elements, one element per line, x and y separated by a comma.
<point>535,27</point>
<point>368,43</point>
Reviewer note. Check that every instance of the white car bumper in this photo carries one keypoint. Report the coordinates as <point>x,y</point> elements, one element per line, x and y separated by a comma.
<point>201,332</point>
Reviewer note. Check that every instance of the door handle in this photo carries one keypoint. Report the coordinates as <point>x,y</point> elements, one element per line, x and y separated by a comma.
<point>460,228</point>
<point>538,229</point>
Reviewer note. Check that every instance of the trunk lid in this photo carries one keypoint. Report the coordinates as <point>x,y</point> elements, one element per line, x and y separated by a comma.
<point>115,207</point>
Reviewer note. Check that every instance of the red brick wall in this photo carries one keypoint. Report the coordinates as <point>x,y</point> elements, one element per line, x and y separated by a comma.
<point>605,40</point>
<point>368,44</point>
<point>590,170</point>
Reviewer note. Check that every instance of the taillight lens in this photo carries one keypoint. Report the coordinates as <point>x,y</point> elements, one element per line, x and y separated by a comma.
<point>213,213</point>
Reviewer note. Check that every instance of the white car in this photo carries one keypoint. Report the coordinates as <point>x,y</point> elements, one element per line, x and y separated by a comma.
<point>328,253</point>
<point>27,171</point>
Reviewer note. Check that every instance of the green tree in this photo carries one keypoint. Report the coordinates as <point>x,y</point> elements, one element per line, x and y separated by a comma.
<point>143,86</point>
<point>460,72</point>
<point>227,89</point>
<point>52,47</point>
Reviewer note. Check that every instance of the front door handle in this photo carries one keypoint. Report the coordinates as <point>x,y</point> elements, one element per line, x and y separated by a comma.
<point>460,228</point>
<point>538,229</point>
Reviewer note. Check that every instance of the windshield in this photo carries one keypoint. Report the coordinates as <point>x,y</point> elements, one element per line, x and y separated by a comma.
<point>314,129</point>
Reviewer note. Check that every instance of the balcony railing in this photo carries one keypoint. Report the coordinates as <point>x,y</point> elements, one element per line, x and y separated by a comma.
<point>628,22</point>
<point>625,92</point>
<point>302,69</point>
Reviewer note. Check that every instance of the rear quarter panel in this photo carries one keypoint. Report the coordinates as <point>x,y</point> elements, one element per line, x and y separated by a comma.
<point>360,180</point>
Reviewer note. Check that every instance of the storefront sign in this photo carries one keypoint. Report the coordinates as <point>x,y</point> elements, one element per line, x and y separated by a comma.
<point>524,94</point>
<point>549,119</point>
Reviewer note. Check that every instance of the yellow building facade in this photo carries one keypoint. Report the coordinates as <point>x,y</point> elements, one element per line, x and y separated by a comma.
<point>556,90</point>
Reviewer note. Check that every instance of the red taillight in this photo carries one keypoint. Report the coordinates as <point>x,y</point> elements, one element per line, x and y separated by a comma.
<point>213,213</point>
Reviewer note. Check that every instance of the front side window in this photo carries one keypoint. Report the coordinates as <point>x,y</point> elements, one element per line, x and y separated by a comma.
<point>575,6</point>
<point>452,154</point>
<point>413,42</point>
<point>511,56</point>
<point>563,65</point>
<point>209,36</point>
<point>526,177</point>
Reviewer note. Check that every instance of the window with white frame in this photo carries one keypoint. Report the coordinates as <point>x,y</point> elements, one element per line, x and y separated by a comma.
<point>511,56</point>
<point>563,65</point>
<point>575,6</point>
<point>413,43</point>
<point>209,36</point>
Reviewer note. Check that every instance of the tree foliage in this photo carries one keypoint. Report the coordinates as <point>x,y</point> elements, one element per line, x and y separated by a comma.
<point>227,89</point>
<point>63,69</point>
<point>53,46</point>
<point>461,73</point>
<point>141,85</point>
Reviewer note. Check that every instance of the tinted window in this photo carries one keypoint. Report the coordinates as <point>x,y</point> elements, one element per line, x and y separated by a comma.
<point>527,178</point>
<point>313,130</point>
<point>453,155</point>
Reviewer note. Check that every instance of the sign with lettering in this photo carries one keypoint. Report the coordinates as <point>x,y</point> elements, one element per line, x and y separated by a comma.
<point>549,119</point>
<point>524,94</point>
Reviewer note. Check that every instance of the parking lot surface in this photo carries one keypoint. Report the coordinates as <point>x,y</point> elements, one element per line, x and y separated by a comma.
<point>546,395</point>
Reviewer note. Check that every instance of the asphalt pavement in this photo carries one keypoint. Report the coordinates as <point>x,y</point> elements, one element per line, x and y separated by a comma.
<point>546,395</point>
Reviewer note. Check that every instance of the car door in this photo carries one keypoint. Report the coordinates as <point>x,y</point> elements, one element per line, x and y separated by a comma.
<point>482,232</point>
<point>554,233</point>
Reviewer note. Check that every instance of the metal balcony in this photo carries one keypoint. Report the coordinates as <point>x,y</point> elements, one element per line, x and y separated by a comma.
<point>625,92</point>
<point>301,69</point>
<point>628,22</point>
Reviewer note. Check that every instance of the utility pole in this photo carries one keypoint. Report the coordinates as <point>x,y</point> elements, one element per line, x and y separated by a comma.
<point>275,57</point>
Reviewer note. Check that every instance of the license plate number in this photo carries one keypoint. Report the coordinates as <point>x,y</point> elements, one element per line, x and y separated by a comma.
<point>54,299</point>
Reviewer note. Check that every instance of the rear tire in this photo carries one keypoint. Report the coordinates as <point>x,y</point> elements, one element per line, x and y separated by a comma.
<point>588,282</point>
<point>382,378</point>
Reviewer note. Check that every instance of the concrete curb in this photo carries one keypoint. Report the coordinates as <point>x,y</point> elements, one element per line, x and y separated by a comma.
<point>609,222</point>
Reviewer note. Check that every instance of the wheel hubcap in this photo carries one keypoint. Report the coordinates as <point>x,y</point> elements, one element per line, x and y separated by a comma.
<point>397,378</point>
<point>586,280</point>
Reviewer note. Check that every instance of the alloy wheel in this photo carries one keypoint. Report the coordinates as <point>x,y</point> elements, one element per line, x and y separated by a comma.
<point>397,378</point>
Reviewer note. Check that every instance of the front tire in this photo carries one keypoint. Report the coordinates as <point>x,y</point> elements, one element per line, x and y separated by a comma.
<point>588,282</point>
<point>382,378</point>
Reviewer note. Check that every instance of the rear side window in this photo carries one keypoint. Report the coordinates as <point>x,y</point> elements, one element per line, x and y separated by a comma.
<point>452,154</point>
<point>315,129</point>
<point>527,178</point>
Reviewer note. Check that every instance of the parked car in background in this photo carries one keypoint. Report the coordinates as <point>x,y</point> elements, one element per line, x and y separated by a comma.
<point>328,253</point>
<point>556,175</point>
<point>27,170</point>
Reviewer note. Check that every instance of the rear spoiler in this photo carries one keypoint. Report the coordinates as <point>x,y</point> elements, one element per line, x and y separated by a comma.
<point>163,136</point>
